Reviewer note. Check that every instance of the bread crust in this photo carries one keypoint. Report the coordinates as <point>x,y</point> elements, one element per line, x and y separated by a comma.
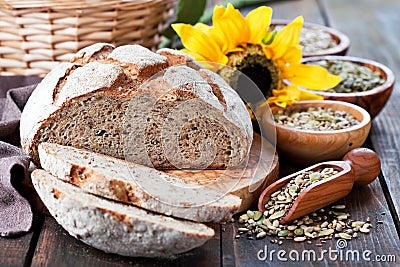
<point>113,227</point>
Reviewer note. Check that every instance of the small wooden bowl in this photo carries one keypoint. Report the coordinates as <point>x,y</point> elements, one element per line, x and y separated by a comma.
<point>342,40</point>
<point>372,100</point>
<point>306,147</point>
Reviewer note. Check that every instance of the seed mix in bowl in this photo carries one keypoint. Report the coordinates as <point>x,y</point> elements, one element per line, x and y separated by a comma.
<point>322,224</point>
<point>315,119</point>
<point>355,77</point>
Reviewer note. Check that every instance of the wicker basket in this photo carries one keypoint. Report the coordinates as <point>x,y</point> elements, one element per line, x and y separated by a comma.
<point>36,35</point>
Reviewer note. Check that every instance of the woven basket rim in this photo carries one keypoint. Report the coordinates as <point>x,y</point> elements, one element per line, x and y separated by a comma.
<point>74,4</point>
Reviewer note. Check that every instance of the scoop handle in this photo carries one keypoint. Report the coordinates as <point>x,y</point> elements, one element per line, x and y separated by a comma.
<point>365,165</point>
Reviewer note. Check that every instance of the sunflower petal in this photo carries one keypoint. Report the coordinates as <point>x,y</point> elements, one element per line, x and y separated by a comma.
<point>287,37</point>
<point>290,95</point>
<point>211,33</point>
<point>258,20</point>
<point>305,95</point>
<point>313,77</point>
<point>203,27</point>
<point>194,39</point>
<point>193,54</point>
<point>231,26</point>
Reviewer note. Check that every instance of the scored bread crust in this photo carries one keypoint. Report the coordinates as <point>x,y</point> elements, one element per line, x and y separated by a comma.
<point>84,104</point>
<point>136,184</point>
<point>114,227</point>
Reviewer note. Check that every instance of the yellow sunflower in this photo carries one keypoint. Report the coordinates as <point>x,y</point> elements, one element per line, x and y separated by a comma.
<point>270,59</point>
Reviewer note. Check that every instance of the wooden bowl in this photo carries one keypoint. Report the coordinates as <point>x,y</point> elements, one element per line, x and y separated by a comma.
<point>342,40</point>
<point>372,100</point>
<point>306,147</point>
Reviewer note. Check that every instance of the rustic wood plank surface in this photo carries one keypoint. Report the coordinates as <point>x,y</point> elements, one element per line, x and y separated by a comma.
<point>377,37</point>
<point>372,27</point>
<point>363,202</point>
<point>56,247</point>
<point>18,251</point>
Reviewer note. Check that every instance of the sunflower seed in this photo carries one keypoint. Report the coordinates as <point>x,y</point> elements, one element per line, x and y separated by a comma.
<point>357,223</point>
<point>299,239</point>
<point>365,230</point>
<point>261,235</point>
<point>339,207</point>
<point>344,236</point>
<point>316,119</point>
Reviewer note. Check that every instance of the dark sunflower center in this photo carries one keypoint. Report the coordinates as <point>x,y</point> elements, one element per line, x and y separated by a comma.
<point>255,66</point>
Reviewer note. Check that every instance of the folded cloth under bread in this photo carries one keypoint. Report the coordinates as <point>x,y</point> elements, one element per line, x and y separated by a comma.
<point>15,211</point>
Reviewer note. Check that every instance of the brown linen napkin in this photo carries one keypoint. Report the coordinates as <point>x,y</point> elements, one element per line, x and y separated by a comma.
<point>15,211</point>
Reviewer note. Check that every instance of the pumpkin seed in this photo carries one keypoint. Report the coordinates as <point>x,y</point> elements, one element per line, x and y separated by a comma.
<point>283,233</point>
<point>277,215</point>
<point>326,232</point>
<point>257,215</point>
<point>293,188</point>
<point>299,231</point>
<point>250,214</point>
<point>315,176</point>
<point>355,77</point>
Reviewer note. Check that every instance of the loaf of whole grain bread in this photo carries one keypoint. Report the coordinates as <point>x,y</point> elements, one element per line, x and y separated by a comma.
<point>136,184</point>
<point>115,227</point>
<point>145,107</point>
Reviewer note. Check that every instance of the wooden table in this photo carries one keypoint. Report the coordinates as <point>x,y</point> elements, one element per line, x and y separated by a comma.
<point>373,27</point>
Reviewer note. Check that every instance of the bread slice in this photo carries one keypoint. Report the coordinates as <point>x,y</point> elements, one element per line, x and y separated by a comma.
<point>105,101</point>
<point>114,227</point>
<point>136,184</point>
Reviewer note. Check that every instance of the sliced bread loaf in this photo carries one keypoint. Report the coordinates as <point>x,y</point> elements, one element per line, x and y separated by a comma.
<point>105,101</point>
<point>136,184</point>
<point>114,227</point>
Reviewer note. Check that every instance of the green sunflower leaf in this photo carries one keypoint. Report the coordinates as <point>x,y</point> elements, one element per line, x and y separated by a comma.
<point>187,11</point>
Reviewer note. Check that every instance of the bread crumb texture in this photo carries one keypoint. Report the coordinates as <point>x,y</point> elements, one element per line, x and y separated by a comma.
<point>159,109</point>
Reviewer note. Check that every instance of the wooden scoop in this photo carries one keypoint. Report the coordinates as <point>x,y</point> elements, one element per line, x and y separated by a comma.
<point>359,166</point>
